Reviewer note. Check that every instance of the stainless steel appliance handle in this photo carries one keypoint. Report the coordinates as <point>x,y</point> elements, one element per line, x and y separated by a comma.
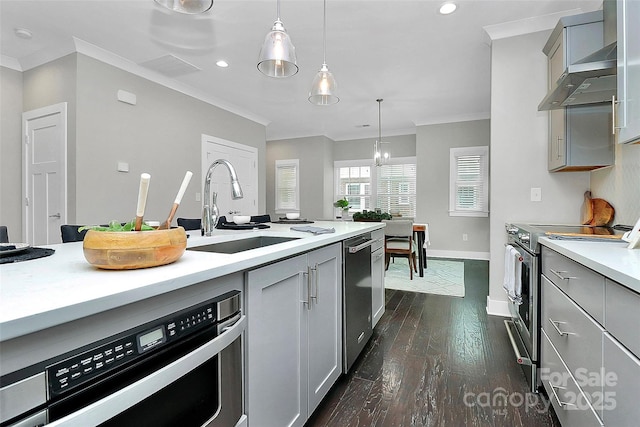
<point>560,276</point>
<point>123,399</point>
<point>555,395</point>
<point>521,360</point>
<point>361,246</point>
<point>555,324</point>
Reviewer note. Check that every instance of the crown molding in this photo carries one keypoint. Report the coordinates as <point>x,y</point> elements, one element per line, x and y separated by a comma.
<point>456,118</point>
<point>527,25</point>
<point>9,62</point>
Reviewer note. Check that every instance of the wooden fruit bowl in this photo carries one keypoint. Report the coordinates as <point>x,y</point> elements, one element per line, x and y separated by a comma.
<point>128,250</point>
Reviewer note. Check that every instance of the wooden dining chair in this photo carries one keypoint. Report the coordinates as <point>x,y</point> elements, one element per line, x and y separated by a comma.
<point>4,235</point>
<point>398,242</point>
<point>70,233</point>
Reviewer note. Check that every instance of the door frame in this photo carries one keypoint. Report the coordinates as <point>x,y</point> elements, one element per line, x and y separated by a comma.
<point>60,108</point>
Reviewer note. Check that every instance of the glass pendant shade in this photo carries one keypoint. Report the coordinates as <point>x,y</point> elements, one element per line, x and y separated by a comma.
<point>381,151</point>
<point>278,55</point>
<point>324,87</point>
<point>190,7</point>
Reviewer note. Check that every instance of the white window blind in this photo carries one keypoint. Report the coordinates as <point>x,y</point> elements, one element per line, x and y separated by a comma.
<point>469,181</point>
<point>287,185</point>
<point>391,187</point>
<point>397,189</point>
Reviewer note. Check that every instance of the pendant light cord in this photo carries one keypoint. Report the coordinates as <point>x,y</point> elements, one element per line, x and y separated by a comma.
<point>379,121</point>
<point>324,34</point>
<point>278,9</point>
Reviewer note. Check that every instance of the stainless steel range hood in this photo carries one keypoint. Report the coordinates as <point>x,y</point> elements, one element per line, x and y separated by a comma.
<point>589,80</point>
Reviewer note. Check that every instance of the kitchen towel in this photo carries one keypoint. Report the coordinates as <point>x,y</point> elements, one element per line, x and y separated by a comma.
<point>314,230</point>
<point>512,274</point>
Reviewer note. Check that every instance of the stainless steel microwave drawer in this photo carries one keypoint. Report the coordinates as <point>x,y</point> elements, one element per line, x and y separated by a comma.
<point>622,315</point>
<point>570,404</point>
<point>576,336</point>
<point>621,379</point>
<point>584,286</point>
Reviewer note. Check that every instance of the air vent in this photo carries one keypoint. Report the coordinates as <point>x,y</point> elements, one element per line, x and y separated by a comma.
<point>170,65</point>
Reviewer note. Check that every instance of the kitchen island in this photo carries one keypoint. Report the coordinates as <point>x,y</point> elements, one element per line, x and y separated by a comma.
<point>39,294</point>
<point>63,321</point>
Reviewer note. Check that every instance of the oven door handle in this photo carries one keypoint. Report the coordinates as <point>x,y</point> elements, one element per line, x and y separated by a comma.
<point>361,246</point>
<point>121,400</point>
<point>519,358</point>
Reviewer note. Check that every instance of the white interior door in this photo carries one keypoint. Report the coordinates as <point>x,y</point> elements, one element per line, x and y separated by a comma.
<point>244,159</point>
<point>44,181</point>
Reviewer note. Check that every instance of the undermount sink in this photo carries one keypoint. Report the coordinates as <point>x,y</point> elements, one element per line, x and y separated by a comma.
<point>241,245</point>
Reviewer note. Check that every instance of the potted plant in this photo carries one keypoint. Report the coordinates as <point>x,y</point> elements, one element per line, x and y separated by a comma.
<point>344,205</point>
<point>370,216</point>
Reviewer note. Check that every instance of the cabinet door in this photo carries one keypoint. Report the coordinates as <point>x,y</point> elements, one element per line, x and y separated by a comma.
<point>377,284</point>
<point>276,345</point>
<point>324,321</point>
<point>557,139</point>
<point>620,378</point>
<point>628,110</point>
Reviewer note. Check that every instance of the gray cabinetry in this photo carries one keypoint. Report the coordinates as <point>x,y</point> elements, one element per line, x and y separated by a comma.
<point>589,344</point>
<point>294,352</point>
<point>377,276</point>
<point>580,136</point>
<point>628,105</point>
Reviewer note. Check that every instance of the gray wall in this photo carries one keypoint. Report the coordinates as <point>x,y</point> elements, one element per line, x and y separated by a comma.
<point>160,135</point>
<point>358,149</point>
<point>315,155</point>
<point>432,151</point>
<point>10,151</point>
<point>519,135</point>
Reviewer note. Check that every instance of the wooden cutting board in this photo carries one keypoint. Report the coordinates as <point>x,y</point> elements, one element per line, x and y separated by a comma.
<point>596,212</point>
<point>582,235</point>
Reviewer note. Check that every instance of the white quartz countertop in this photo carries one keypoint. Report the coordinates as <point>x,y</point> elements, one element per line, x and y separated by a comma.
<point>45,292</point>
<point>611,259</point>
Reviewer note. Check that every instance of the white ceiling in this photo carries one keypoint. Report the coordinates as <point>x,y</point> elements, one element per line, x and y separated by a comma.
<point>427,67</point>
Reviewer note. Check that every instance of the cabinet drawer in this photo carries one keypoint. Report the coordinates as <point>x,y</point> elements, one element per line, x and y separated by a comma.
<point>576,336</point>
<point>570,404</point>
<point>378,239</point>
<point>622,317</point>
<point>583,285</point>
<point>620,380</point>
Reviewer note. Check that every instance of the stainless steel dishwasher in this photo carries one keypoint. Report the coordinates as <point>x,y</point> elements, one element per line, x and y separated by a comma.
<point>357,288</point>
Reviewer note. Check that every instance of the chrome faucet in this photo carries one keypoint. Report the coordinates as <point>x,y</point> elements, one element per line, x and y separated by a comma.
<point>210,214</point>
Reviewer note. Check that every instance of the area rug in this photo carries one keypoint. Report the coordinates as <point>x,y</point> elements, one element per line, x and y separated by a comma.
<point>441,277</point>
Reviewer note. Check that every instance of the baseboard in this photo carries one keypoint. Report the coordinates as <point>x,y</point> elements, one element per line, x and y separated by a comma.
<point>497,307</point>
<point>485,256</point>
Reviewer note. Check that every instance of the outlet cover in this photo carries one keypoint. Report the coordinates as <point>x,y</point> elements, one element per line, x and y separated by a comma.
<point>536,194</point>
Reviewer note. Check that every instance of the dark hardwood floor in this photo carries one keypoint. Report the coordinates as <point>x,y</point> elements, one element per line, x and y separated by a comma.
<point>436,361</point>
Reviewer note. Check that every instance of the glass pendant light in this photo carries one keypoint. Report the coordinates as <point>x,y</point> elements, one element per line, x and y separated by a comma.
<point>190,7</point>
<point>324,86</point>
<point>381,155</point>
<point>278,55</point>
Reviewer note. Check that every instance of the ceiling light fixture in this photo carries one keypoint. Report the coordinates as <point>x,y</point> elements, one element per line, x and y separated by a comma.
<point>380,154</point>
<point>324,86</point>
<point>278,55</point>
<point>189,7</point>
<point>222,63</point>
<point>447,8</point>
<point>23,33</point>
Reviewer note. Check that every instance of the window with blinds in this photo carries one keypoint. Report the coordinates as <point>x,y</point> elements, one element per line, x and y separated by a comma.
<point>287,185</point>
<point>391,187</point>
<point>469,181</point>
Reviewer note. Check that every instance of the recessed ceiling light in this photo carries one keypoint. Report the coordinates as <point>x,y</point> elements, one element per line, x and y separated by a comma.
<point>23,33</point>
<point>222,64</point>
<point>447,8</point>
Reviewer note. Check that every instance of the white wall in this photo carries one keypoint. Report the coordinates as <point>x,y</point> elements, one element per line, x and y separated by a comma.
<point>519,152</point>
<point>620,184</point>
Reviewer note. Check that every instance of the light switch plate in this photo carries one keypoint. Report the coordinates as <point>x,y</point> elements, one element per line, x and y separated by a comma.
<point>536,194</point>
<point>123,167</point>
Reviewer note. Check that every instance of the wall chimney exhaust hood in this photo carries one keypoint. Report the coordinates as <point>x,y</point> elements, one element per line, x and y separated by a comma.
<point>589,74</point>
